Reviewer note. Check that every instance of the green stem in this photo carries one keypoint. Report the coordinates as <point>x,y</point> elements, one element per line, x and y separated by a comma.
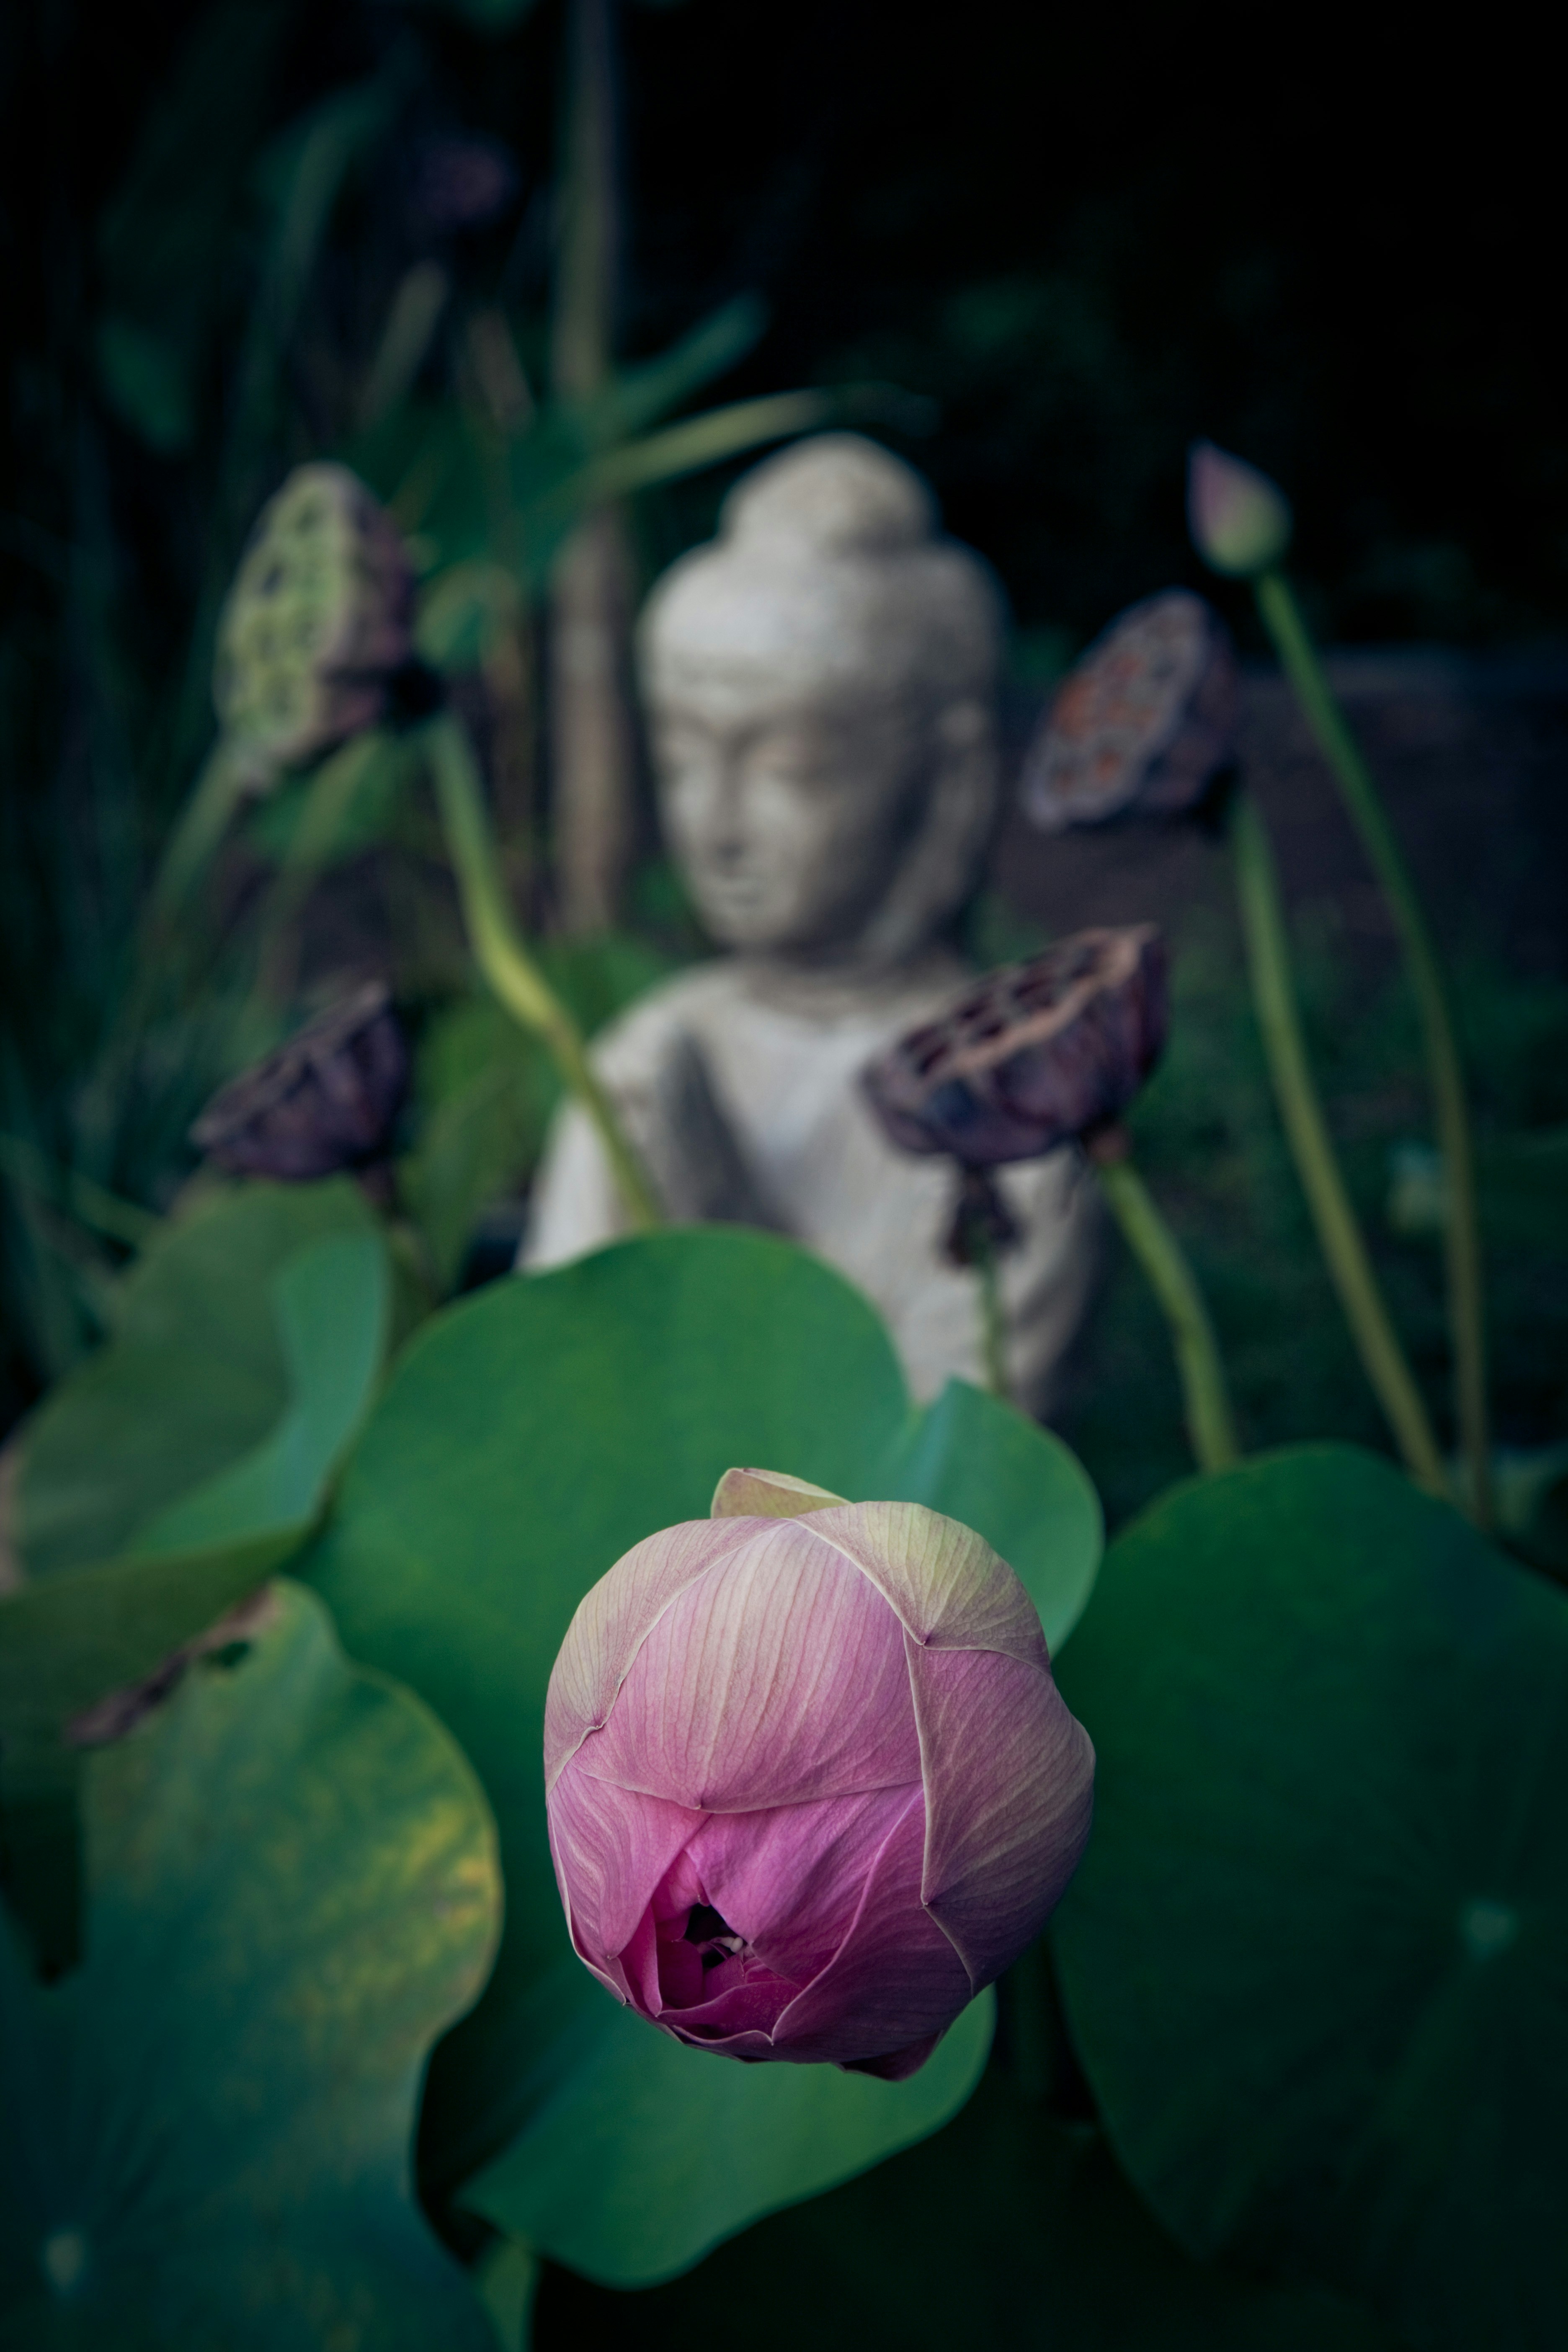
<point>88,1203</point>
<point>1466,1311</point>
<point>1204,1395</point>
<point>507,965</point>
<point>209,809</point>
<point>1339,1234</point>
<point>993,1318</point>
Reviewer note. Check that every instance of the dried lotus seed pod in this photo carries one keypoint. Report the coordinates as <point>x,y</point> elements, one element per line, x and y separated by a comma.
<point>317,619</point>
<point>1142,724</point>
<point>1030,1056</point>
<point>325,1101</point>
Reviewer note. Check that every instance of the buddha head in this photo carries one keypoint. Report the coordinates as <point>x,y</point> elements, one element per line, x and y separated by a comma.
<point>820,681</point>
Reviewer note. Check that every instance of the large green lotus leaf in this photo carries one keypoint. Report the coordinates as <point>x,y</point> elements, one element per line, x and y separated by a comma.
<point>1009,2227</point>
<point>195,1377</point>
<point>292,1887</point>
<point>69,1637</point>
<point>1317,1955</point>
<point>532,1435</point>
<point>636,2162</point>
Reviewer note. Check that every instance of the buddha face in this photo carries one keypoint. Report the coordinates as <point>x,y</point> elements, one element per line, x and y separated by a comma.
<point>788,801</point>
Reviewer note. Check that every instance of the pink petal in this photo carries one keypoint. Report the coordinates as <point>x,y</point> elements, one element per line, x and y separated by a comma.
<point>745,1998</point>
<point>776,1678</point>
<point>611,1849</point>
<point>895,1979</point>
<point>791,1880</point>
<point>899,2064</point>
<point>767,1495</point>
<point>944,1582</point>
<point>1009,1776</point>
<point>613,1620</point>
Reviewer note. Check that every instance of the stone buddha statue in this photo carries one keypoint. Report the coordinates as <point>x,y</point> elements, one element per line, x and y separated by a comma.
<point>820,684</point>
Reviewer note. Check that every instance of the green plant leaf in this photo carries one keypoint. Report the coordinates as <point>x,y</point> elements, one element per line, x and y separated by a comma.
<point>291,1888</point>
<point>69,1636</point>
<point>196,1376</point>
<point>977,1459</point>
<point>1314,1957</point>
<point>532,1435</point>
<point>1010,2227</point>
<point>638,2161</point>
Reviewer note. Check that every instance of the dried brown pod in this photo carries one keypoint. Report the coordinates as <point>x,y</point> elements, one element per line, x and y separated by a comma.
<point>1143,723</point>
<point>1030,1056</point>
<point>327,1100</point>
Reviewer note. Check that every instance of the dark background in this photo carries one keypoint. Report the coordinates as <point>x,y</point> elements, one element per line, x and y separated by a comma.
<point>1331,241</point>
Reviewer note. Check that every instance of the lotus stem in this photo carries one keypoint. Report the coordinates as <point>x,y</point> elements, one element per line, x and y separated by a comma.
<point>1466,1310</point>
<point>225,780</point>
<point>992,1319</point>
<point>1307,1130</point>
<point>506,964</point>
<point>1205,1396</point>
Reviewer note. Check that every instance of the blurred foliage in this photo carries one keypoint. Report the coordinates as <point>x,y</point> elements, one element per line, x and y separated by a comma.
<point>1209,1139</point>
<point>291,247</point>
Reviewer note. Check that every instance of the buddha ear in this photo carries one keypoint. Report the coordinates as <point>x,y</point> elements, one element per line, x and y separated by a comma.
<point>940,866</point>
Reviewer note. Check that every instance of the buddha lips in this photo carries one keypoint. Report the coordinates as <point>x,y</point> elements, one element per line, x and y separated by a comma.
<point>810,1784</point>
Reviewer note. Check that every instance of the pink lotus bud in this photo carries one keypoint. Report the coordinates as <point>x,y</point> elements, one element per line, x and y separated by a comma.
<point>809,1781</point>
<point>319,618</point>
<point>327,1100</point>
<point>1142,724</point>
<point>1030,1056</point>
<point>1240,520</point>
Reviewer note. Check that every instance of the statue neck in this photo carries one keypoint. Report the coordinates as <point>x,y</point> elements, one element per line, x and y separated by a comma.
<point>824,988</point>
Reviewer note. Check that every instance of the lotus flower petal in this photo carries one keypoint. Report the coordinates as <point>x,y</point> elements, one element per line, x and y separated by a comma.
<point>776,1678</point>
<point>621,1846</point>
<point>767,1495</point>
<point>791,1881</point>
<point>1006,1818</point>
<point>895,1979</point>
<point>947,1587</point>
<point>611,1624</point>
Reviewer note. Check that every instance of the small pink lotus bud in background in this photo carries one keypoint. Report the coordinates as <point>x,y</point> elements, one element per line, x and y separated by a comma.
<point>326,1101</point>
<point>1240,520</point>
<point>810,1784</point>
<point>1142,724</point>
<point>319,618</point>
<point>1031,1057</point>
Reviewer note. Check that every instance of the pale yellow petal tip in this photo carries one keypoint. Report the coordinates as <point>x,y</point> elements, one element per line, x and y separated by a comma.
<point>767,1495</point>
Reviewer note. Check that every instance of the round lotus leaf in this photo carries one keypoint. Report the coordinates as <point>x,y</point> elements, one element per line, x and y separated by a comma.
<point>1315,1958</point>
<point>291,1889</point>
